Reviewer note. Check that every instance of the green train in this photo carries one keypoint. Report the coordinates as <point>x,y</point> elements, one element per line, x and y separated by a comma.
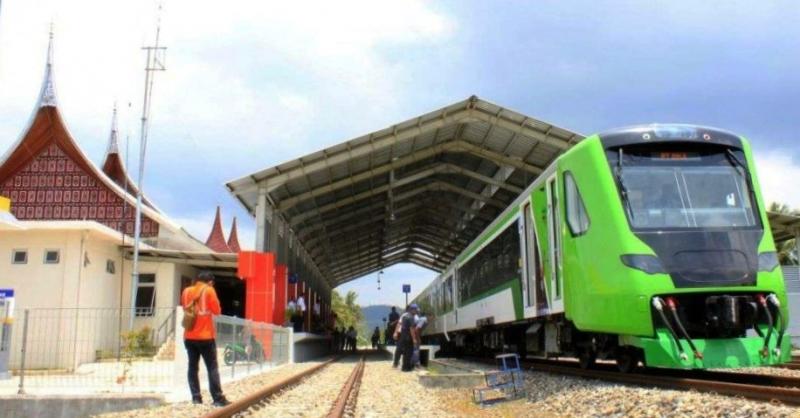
<point>645,245</point>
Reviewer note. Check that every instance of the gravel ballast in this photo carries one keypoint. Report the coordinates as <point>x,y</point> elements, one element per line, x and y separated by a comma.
<point>566,396</point>
<point>233,391</point>
<point>388,392</point>
<point>312,398</point>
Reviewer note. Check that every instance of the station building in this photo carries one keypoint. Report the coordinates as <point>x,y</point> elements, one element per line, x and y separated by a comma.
<point>67,225</point>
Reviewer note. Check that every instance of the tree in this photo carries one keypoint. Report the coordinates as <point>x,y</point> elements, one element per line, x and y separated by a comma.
<point>348,313</point>
<point>787,254</point>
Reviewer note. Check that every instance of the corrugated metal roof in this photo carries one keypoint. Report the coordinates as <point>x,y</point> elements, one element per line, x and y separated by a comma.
<point>418,191</point>
<point>784,226</point>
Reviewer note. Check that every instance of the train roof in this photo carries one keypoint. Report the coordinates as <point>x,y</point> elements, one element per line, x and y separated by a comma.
<point>668,132</point>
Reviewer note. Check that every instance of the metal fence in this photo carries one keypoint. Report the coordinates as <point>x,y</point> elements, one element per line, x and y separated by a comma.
<point>76,348</point>
<point>245,347</point>
<point>79,350</point>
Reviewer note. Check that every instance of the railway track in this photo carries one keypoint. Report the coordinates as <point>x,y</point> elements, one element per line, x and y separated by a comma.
<point>255,404</point>
<point>346,401</point>
<point>750,386</point>
<point>792,365</point>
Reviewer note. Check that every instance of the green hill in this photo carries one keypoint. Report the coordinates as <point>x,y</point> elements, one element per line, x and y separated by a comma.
<point>374,314</point>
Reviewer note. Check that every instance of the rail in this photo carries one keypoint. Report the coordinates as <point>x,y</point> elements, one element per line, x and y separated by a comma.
<point>747,385</point>
<point>349,394</point>
<point>266,392</point>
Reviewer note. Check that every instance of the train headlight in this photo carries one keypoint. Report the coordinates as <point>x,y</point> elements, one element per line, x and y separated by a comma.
<point>767,261</point>
<point>649,264</point>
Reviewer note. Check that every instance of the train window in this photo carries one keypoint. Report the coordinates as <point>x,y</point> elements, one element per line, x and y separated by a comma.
<point>692,187</point>
<point>577,218</point>
<point>447,295</point>
<point>492,266</point>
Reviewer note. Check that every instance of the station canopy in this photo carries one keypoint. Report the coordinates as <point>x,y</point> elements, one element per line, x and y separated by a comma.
<point>418,191</point>
<point>784,226</point>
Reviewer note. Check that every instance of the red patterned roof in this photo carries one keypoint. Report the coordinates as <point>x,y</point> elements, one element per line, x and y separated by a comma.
<point>233,238</point>
<point>216,239</point>
<point>48,177</point>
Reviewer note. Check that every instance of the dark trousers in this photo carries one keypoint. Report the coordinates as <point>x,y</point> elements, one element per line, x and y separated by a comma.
<point>406,347</point>
<point>397,353</point>
<point>208,350</point>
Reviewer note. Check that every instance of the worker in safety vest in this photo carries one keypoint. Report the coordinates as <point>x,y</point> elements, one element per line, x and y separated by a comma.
<point>200,339</point>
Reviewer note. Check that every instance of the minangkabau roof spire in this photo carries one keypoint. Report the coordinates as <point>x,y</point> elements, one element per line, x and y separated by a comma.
<point>113,141</point>
<point>216,239</point>
<point>233,238</point>
<point>113,166</point>
<point>47,97</point>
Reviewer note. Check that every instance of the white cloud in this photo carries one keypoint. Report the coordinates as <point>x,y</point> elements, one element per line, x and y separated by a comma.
<point>246,85</point>
<point>776,173</point>
<point>252,69</point>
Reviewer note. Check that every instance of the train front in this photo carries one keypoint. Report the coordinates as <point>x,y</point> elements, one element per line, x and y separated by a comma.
<point>690,194</point>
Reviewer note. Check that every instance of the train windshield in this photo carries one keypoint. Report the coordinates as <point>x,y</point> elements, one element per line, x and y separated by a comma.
<point>665,188</point>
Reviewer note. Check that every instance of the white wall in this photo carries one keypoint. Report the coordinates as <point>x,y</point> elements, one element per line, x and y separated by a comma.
<point>68,337</point>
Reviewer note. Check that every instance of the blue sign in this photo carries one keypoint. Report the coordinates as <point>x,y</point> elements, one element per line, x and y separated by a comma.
<point>406,288</point>
<point>6,293</point>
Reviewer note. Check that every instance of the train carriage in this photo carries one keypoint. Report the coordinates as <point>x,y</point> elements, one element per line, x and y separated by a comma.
<point>645,244</point>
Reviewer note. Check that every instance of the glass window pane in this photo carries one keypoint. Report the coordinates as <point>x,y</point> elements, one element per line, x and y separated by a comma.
<point>703,189</point>
<point>577,218</point>
<point>495,264</point>
<point>20,257</point>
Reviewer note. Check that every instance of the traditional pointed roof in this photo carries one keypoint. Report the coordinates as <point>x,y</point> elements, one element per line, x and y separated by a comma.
<point>45,128</point>
<point>47,162</point>
<point>113,166</point>
<point>233,238</point>
<point>216,239</point>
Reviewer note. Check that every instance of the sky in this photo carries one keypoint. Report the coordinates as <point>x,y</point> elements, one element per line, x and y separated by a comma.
<point>251,84</point>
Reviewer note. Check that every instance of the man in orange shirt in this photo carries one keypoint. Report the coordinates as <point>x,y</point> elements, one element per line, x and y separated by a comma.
<point>200,340</point>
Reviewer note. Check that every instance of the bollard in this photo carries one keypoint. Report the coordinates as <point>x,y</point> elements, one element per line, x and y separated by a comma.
<point>21,390</point>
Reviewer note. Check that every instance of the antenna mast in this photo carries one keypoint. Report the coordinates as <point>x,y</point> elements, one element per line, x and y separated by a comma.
<point>156,58</point>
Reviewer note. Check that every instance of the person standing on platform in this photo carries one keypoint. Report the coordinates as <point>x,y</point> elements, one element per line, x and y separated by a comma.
<point>297,317</point>
<point>316,317</point>
<point>391,326</point>
<point>376,337</point>
<point>200,304</point>
<point>406,337</point>
<point>419,324</point>
<point>301,307</point>
<point>335,340</point>
<point>291,307</point>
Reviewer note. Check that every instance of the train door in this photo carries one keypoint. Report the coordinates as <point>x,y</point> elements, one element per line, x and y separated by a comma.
<point>534,297</point>
<point>554,238</point>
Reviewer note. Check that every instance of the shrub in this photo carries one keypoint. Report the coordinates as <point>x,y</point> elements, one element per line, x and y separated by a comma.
<point>138,343</point>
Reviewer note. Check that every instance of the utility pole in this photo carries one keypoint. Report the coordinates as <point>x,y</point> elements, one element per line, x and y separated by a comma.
<point>156,58</point>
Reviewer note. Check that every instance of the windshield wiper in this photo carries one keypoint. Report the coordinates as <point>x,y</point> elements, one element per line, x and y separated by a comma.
<point>745,173</point>
<point>737,163</point>
<point>623,190</point>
